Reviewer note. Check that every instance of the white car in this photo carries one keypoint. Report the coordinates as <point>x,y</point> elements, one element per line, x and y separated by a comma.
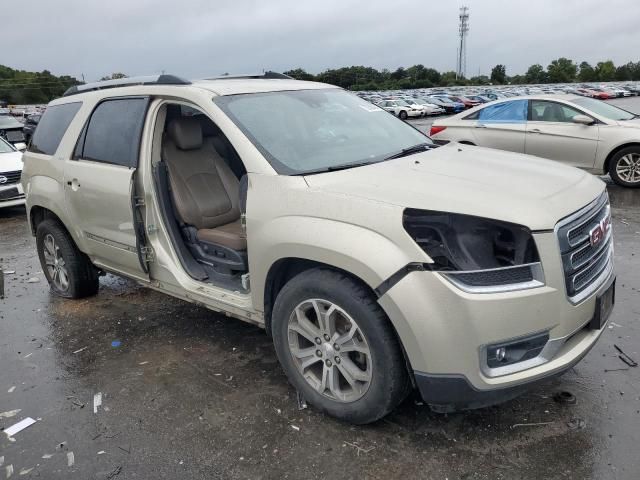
<point>430,108</point>
<point>578,131</point>
<point>11,192</point>
<point>401,109</point>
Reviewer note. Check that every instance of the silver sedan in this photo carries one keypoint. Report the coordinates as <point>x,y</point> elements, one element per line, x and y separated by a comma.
<point>579,131</point>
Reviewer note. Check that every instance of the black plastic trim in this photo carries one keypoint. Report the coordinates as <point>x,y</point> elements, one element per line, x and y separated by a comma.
<point>390,282</point>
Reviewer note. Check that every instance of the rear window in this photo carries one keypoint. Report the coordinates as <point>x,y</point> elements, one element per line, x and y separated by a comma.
<point>52,127</point>
<point>113,132</point>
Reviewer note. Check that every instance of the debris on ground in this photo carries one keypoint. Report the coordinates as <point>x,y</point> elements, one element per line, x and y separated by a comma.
<point>576,424</point>
<point>358,448</point>
<point>80,350</point>
<point>114,472</point>
<point>10,413</point>
<point>33,280</point>
<point>116,343</point>
<point>296,428</point>
<point>606,370</point>
<point>302,403</point>
<point>25,471</point>
<point>564,397</point>
<point>624,357</point>
<point>539,424</point>
<point>70,459</point>
<point>97,401</point>
<point>11,389</point>
<point>18,427</point>
<point>9,470</point>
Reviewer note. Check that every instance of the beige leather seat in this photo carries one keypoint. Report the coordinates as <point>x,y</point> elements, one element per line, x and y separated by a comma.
<point>205,191</point>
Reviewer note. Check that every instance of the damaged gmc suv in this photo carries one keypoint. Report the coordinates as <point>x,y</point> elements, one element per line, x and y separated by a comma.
<point>376,260</point>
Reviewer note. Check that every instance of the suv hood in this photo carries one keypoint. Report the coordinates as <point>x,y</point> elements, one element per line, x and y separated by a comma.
<point>471,180</point>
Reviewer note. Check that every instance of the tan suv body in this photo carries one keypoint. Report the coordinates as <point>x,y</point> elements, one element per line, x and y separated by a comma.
<point>376,261</point>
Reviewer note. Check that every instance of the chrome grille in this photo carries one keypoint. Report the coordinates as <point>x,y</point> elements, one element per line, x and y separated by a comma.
<point>585,262</point>
<point>12,177</point>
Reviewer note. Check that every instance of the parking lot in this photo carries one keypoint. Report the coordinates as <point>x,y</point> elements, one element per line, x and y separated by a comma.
<point>134,384</point>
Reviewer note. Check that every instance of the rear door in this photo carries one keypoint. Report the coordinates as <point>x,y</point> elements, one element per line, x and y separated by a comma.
<point>100,187</point>
<point>552,134</point>
<point>501,125</point>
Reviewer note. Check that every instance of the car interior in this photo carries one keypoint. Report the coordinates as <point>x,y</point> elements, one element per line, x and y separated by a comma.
<point>202,191</point>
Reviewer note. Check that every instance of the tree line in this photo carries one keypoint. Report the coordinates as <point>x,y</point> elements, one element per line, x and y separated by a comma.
<point>561,70</point>
<point>20,87</point>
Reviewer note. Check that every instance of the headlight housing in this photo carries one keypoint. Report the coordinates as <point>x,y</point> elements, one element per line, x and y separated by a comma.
<point>478,255</point>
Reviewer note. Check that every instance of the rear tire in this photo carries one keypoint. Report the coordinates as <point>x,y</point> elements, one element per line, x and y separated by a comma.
<point>69,272</point>
<point>624,167</point>
<point>360,379</point>
<point>403,115</point>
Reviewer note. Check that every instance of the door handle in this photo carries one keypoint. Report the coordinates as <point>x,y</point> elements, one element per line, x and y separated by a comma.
<point>481,126</point>
<point>534,130</point>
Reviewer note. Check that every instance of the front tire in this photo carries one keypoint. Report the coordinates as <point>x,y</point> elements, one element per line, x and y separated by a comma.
<point>403,115</point>
<point>337,346</point>
<point>69,272</point>
<point>624,167</point>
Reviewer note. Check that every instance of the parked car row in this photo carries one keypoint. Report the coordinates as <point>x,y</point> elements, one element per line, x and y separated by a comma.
<point>11,192</point>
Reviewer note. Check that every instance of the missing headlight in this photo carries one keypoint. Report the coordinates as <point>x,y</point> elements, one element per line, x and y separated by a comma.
<point>480,255</point>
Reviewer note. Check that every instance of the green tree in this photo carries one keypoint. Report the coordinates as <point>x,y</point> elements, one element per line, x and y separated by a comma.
<point>536,74</point>
<point>623,72</point>
<point>114,76</point>
<point>562,70</point>
<point>480,80</point>
<point>587,73</point>
<point>605,71</point>
<point>299,74</point>
<point>499,74</point>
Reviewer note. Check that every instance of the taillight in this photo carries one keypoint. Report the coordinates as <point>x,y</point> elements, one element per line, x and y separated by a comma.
<point>435,129</point>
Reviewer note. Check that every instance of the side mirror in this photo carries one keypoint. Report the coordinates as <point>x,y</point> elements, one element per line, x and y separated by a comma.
<point>582,120</point>
<point>21,146</point>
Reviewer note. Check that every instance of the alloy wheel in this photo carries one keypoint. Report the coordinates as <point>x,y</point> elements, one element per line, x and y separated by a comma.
<point>330,350</point>
<point>628,168</point>
<point>55,264</point>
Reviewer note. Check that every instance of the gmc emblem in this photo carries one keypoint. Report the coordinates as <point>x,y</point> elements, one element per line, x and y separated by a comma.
<point>598,233</point>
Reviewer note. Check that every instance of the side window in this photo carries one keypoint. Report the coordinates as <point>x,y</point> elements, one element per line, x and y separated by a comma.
<point>544,111</point>
<point>113,132</point>
<point>52,127</point>
<point>514,111</point>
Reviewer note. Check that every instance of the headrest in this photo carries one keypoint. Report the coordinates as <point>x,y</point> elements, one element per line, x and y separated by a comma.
<point>186,133</point>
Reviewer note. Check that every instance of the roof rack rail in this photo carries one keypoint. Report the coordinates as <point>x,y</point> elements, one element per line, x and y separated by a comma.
<point>266,75</point>
<point>125,82</point>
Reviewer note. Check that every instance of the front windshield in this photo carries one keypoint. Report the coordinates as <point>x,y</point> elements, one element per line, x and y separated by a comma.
<point>310,131</point>
<point>604,109</point>
<point>5,147</point>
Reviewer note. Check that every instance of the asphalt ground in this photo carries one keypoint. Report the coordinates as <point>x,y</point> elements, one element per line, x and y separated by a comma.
<point>189,394</point>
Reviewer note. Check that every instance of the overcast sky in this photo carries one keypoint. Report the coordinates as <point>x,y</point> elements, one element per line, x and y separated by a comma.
<point>196,38</point>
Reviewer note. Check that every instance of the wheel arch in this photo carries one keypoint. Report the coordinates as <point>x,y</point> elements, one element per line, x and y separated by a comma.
<point>612,153</point>
<point>37,214</point>
<point>285,269</point>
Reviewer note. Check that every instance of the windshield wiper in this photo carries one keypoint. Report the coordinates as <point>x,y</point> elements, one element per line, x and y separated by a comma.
<point>405,152</point>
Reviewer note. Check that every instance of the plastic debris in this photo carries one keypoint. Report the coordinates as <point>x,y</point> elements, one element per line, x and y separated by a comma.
<point>101,452</point>
<point>296,428</point>
<point>25,471</point>
<point>114,472</point>
<point>116,343</point>
<point>80,350</point>
<point>11,390</point>
<point>47,456</point>
<point>10,413</point>
<point>9,272</point>
<point>18,427</point>
<point>70,459</point>
<point>33,280</point>
<point>625,358</point>
<point>97,401</point>
<point>9,470</point>
<point>302,403</point>
<point>565,397</point>
<point>143,363</point>
<point>1,460</point>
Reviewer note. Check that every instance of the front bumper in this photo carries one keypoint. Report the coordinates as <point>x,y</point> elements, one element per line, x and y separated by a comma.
<point>11,195</point>
<point>445,332</point>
